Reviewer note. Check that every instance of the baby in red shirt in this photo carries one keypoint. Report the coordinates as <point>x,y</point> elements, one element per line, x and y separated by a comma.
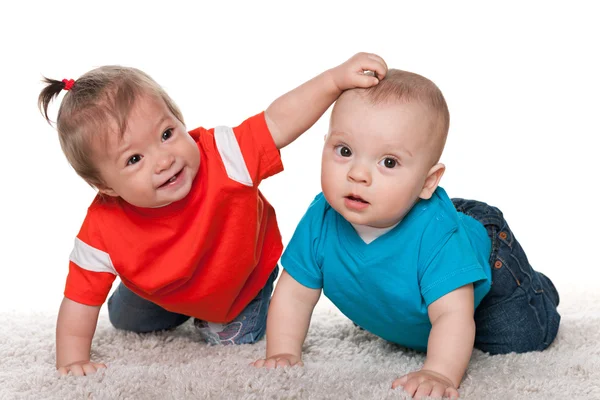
<point>178,216</point>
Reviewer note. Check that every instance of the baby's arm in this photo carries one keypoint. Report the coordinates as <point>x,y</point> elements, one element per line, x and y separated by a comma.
<point>287,322</point>
<point>74,332</point>
<point>293,113</point>
<point>449,347</point>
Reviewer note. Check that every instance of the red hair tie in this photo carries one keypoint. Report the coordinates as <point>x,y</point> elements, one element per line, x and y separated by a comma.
<point>68,83</point>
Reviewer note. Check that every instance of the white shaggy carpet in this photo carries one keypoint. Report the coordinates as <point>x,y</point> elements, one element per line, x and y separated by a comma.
<point>342,362</point>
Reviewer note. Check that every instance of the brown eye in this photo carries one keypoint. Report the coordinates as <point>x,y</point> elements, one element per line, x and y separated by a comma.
<point>134,159</point>
<point>343,151</point>
<point>167,134</point>
<point>389,162</point>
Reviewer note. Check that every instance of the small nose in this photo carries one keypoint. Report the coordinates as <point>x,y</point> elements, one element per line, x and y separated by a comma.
<point>164,162</point>
<point>359,174</point>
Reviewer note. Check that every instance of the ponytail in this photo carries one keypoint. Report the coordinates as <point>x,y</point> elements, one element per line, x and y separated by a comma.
<point>51,91</point>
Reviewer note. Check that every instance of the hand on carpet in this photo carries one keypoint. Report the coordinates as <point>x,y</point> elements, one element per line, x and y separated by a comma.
<point>81,368</point>
<point>426,383</point>
<point>279,360</point>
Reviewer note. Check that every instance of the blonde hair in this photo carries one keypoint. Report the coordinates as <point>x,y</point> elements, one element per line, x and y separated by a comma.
<point>407,86</point>
<point>97,102</point>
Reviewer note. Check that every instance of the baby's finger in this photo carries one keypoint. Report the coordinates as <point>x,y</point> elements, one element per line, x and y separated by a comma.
<point>424,389</point>
<point>451,393</point>
<point>88,369</point>
<point>377,58</point>
<point>63,371</point>
<point>411,386</point>
<point>399,381</point>
<point>365,80</point>
<point>283,362</point>
<point>381,65</point>
<point>270,363</point>
<point>258,363</point>
<point>76,370</point>
<point>438,390</point>
<point>378,70</point>
<point>99,365</point>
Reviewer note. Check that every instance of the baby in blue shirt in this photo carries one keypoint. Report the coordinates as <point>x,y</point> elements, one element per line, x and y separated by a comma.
<point>400,258</point>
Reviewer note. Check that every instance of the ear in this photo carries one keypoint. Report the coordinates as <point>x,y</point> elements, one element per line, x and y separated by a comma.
<point>108,191</point>
<point>433,179</point>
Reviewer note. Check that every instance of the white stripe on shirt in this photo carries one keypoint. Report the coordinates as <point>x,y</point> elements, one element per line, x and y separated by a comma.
<point>90,258</point>
<point>231,154</point>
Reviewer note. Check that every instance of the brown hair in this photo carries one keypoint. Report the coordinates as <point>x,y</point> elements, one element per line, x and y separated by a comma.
<point>98,101</point>
<point>407,86</point>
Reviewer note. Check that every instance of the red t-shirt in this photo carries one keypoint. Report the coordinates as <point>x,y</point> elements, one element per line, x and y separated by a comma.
<point>207,255</point>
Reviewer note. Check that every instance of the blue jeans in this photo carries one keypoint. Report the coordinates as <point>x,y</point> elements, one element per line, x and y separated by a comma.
<point>519,312</point>
<point>130,312</point>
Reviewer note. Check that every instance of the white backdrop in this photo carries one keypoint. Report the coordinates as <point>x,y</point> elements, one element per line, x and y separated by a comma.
<point>521,80</point>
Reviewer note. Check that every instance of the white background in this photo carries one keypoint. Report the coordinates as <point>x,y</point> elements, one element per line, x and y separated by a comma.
<point>520,78</point>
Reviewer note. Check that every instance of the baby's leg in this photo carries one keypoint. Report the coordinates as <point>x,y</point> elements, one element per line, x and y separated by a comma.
<point>130,312</point>
<point>519,313</point>
<point>248,327</point>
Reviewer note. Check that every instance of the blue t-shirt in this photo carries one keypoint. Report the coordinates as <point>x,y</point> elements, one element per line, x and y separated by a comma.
<point>386,286</point>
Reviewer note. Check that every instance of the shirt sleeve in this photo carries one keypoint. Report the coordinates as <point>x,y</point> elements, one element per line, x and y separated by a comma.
<point>453,265</point>
<point>91,272</point>
<point>302,257</point>
<point>250,155</point>
<point>87,287</point>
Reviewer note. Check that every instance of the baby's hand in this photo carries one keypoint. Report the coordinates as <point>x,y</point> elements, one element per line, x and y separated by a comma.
<point>351,74</point>
<point>279,360</point>
<point>426,383</point>
<point>81,368</point>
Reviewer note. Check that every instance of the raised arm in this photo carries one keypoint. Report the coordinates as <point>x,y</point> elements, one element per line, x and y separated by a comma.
<point>74,332</point>
<point>287,322</point>
<point>296,111</point>
<point>449,347</point>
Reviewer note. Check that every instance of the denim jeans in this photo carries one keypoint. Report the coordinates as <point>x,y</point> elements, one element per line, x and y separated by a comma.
<point>128,311</point>
<point>519,312</point>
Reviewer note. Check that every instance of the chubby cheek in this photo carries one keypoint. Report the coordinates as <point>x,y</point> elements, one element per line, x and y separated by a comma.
<point>140,187</point>
<point>394,204</point>
<point>193,158</point>
<point>331,182</point>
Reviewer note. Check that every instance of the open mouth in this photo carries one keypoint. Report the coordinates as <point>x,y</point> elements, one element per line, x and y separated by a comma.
<point>356,198</point>
<point>171,180</point>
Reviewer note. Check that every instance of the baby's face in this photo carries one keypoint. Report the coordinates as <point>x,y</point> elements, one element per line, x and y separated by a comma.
<point>375,159</point>
<point>154,163</point>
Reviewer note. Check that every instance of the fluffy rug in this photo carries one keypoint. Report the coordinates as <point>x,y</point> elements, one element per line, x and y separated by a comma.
<point>342,362</point>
